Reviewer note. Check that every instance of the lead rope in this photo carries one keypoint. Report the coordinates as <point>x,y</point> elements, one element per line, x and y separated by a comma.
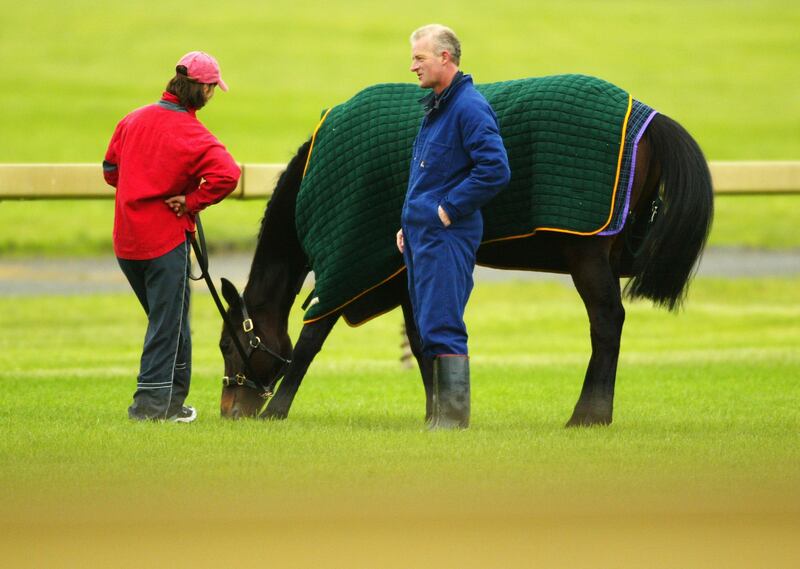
<point>201,253</point>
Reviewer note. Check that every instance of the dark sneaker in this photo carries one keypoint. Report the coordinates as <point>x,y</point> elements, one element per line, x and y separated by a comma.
<point>185,415</point>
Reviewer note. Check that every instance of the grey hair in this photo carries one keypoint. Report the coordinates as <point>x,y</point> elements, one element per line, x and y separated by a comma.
<point>444,39</point>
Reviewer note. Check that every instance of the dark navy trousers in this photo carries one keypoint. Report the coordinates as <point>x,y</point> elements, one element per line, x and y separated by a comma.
<point>162,287</point>
<point>440,261</point>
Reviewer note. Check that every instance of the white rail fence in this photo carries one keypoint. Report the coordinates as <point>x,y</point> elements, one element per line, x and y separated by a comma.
<point>85,181</point>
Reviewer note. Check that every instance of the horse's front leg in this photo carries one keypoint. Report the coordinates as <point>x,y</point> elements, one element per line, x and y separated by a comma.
<point>308,345</point>
<point>425,364</point>
<point>600,290</point>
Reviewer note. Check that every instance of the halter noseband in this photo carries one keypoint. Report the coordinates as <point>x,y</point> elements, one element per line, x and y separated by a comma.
<point>254,343</point>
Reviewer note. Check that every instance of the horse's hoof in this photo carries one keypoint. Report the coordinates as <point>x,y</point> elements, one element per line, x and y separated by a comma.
<point>591,413</point>
<point>271,415</point>
<point>588,419</point>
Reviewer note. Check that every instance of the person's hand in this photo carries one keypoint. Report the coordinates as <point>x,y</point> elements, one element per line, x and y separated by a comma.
<point>400,243</point>
<point>444,217</point>
<point>177,204</point>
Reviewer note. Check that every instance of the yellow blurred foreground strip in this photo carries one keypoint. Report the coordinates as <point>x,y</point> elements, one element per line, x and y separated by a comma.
<point>342,530</point>
<point>652,542</point>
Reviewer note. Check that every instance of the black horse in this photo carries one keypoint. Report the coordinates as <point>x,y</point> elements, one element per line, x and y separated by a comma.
<point>671,212</point>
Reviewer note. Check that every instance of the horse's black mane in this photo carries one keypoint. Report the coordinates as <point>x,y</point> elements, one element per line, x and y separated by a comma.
<point>277,236</point>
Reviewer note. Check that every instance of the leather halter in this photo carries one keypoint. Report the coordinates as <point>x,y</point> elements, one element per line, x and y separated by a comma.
<point>253,343</point>
<point>265,391</point>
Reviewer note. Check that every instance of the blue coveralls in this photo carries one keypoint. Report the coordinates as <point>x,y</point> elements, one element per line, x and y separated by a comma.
<point>459,162</point>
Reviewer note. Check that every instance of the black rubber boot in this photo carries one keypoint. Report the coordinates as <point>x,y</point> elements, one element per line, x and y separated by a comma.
<point>450,393</point>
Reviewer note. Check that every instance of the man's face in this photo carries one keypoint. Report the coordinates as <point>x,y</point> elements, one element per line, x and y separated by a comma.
<point>428,66</point>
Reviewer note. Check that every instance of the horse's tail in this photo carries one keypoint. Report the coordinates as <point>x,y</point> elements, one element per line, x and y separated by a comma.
<point>668,256</point>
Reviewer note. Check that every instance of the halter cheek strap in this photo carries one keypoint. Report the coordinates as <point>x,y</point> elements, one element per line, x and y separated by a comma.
<point>255,343</point>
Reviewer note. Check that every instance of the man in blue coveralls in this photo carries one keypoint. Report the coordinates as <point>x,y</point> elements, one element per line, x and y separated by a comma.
<point>458,164</point>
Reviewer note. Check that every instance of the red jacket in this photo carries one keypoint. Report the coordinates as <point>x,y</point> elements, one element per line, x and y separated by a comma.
<point>157,152</point>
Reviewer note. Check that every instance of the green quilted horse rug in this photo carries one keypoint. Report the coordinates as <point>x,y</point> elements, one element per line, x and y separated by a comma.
<point>570,140</point>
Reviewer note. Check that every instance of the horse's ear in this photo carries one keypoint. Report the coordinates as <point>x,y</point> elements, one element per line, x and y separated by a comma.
<point>230,294</point>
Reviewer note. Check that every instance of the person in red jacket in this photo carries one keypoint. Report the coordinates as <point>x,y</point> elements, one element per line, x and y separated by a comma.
<point>166,168</point>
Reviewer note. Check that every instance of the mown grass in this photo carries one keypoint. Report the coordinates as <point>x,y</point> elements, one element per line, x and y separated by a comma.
<point>706,398</point>
<point>699,468</point>
<point>699,465</point>
<point>723,69</point>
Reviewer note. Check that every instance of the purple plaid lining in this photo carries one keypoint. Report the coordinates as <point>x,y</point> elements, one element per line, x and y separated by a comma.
<point>640,118</point>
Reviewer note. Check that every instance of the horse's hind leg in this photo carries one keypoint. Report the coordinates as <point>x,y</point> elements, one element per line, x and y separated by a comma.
<point>308,345</point>
<point>599,288</point>
<point>425,364</point>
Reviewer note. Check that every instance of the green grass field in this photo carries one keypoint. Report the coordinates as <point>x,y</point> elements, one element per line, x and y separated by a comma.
<point>706,422</point>
<point>724,69</point>
<point>699,469</point>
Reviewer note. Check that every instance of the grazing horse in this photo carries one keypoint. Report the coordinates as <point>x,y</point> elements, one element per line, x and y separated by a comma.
<point>671,209</point>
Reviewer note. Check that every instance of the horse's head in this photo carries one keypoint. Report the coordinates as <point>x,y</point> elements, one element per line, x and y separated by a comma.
<point>256,356</point>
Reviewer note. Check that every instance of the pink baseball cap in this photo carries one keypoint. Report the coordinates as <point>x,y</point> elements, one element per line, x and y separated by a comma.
<point>203,68</point>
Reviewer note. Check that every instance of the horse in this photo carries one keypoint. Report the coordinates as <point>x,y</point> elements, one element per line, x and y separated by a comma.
<point>671,210</point>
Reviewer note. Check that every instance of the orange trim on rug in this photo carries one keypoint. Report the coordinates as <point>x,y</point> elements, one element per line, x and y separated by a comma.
<point>613,195</point>
<point>373,317</point>
<point>384,281</point>
<point>314,138</point>
<point>505,268</point>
